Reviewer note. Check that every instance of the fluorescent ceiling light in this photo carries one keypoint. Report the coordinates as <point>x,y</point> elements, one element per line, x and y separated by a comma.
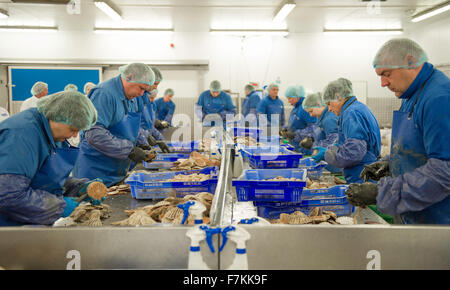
<point>248,32</point>
<point>108,9</point>
<point>30,28</point>
<point>396,31</point>
<point>132,30</point>
<point>3,14</point>
<point>438,9</point>
<point>285,8</point>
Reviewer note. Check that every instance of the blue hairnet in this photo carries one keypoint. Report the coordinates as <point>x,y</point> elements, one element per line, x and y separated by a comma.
<point>38,88</point>
<point>169,92</point>
<point>137,73</point>
<point>313,101</point>
<point>338,90</point>
<point>272,85</point>
<point>87,85</point>
<point>215,86</point>
<point>400,53</point>
<point>71,87</point>
<point>249,87</point>
<point>158,74</point>
<point>70,108</point>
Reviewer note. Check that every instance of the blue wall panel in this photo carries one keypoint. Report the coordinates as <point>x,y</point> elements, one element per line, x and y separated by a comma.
<point>57,79</point>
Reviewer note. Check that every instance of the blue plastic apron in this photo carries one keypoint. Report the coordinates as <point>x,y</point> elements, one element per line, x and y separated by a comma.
<point>51,176</point>
<point>351,174</point>
<point>407,154</point>
<point>93,164</point>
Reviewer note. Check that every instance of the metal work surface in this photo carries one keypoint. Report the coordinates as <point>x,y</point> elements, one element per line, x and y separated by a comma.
<point>154,247</point>
<point>270,247</point>
<point>358,247</point>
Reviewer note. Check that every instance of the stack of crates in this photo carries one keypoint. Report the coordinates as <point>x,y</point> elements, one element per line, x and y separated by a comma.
<point>154,186</point>
<point>331,199</point>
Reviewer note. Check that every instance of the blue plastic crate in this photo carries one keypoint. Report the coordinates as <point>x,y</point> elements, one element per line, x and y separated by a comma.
<point>315,170</point>
<point>182,146</point>
<point>314,197</point>
<point>271,157</point>
<point>247,131</point>
<point>153,186</point>
<point>273,212</point>
<point>251,186</point>
<point>165,160</point>
<point>322,196</point>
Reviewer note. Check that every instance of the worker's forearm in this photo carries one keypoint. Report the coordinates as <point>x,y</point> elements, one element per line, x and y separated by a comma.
<point>347,155</point>
<point>24,204</point>
<point>105,142</point>
<point>415,190</point>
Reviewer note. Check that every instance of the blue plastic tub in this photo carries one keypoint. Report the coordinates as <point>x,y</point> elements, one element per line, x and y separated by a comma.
<point>271,157</point>
<point>247,131</point>
<point>251,186</point>
<point>182,147</point>
<point>152,186</point>
<point>273,212</point>
<point>165,160</point>
<point>315,170</point>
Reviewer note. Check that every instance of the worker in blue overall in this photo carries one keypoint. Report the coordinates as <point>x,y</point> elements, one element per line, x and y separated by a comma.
<point>326,132</point>
<point>359,141</point>
<point>108,148</point>
<point>149,136</point>
<point>36,159</point>
<point>271,109</point>
<point>300,124</point>
<point>165,108</point>
<point>249,106</point>
<point>414,184</point>
<point>214,106</point>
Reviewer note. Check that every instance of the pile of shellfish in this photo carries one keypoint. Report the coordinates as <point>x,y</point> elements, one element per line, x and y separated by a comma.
<point>323,184</point>
<point>196,161</point>
<point>119,189</point>
<point>166,211</point>
<point>316,216</point>
<point>189,177</point>
<point>247,141</point>
<point>90,215</point>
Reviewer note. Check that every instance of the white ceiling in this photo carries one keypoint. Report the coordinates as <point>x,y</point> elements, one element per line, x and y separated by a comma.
<point>200,15</point>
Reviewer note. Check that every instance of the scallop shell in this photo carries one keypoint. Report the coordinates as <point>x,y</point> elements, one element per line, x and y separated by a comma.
<point>97,190</point>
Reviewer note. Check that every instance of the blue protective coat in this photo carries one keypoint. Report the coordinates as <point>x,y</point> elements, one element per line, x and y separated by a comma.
<point>104,149</point>
<point>268,107</point>
<point>33,170</point>
<point>250,104</point>
<point>148,120</point>
<point>419,187</point>
<point>299,118</point>
<point>207,104</point>
<point>328,133</point>
<point>164,110</point>
<point>359,140</point>
<point>302,124</point>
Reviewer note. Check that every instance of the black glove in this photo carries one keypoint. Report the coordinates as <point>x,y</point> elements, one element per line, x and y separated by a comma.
<point>138,155</point>
<point>159,125</point>
<point>283,133</point>
<point>307,143</point>
<point>163,146</point>
<point>362,194</point>
<point>145,147</point>
<point>165,124</point>
<point>289,135</point>
<point>151,140</point>
<point>375,171</point>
